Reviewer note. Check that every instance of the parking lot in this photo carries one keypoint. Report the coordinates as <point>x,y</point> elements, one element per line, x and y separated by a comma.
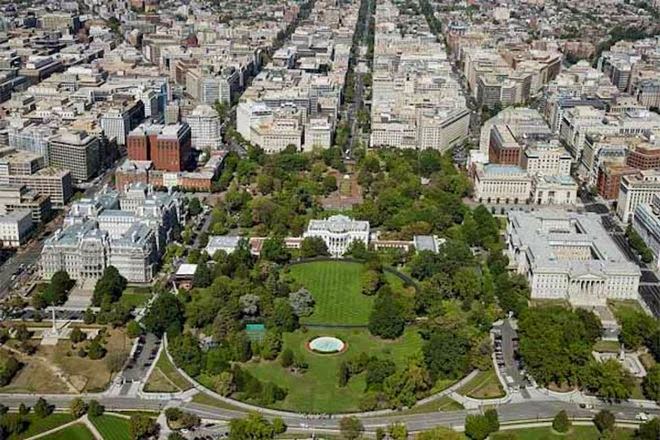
<point>143,357</point>
<point>507,359</point>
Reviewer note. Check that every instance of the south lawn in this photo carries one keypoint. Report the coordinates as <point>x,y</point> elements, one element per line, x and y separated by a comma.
<point>317,390</point>
<point>336,287</point>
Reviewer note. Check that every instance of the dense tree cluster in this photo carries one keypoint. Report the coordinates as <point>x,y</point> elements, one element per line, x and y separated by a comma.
<point>556,345</point>
<point>255,427</point>
<point>275,194</point>
<point>9,366</point>
<point>56,293</point>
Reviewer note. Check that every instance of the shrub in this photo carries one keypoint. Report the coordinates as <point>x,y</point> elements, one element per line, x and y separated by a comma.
<point>604,420</point>
<point>561,422</point>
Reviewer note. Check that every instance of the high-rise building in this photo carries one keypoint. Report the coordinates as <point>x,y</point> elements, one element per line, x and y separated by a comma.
<point>78,152</point>
<point>204,127</point>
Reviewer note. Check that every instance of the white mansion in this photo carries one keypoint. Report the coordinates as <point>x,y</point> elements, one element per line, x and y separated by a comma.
<point>566,255</point>
<point>338,232</point>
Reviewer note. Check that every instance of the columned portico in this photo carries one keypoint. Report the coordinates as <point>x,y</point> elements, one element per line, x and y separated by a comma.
<point>589,290</point>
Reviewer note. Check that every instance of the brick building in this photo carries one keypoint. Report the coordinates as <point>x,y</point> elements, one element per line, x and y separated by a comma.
<point>166,146</point>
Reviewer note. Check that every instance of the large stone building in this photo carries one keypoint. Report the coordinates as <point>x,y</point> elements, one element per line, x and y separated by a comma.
<point>338,232</point>
<point>128,231</point>
<point>566,255</point>
<point>635,190</point>
<point>15,228</point>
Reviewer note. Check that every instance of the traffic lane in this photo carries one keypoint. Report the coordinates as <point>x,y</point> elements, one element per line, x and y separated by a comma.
<point>651,296</point>
<point>648,276</point>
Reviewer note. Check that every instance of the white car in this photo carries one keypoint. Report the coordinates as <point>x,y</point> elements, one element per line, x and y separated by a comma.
<point>642,417</point>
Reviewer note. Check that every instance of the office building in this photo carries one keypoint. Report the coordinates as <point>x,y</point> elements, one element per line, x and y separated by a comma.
<point>15,228</point>
<point>569,256</point>
<point>78,152</point>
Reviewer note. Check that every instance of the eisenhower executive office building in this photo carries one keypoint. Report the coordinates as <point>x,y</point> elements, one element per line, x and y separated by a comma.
<point>566,255</point>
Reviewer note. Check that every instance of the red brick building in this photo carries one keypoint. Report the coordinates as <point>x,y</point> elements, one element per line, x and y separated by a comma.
<point>503,148</point>
<point>609,179</point>
<point>644,157</point>
<point>166,146</point>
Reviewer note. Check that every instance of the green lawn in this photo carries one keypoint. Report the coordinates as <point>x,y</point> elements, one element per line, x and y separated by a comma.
<point>442,404</point>
<point>205,399</point>
<point>112,427</point>
<point>135,296</point>
<point>173,378</point>
<point>607,346</point>
<point>74,432</point>
<point>577,433</point>
<point>485,385</point>
<point>38,425</point>
<point>336,287</point>
<point>317,390</point>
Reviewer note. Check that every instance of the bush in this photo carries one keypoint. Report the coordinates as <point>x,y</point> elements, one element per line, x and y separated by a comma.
<point>173,414</point>
<point>77,407</point>
<point>604,420</point>
<point>351,428</point>
<point>286,359</point>
<point>96,350</point>
<point>561,422</point>
<point>95,409</point>
<point>42,408</point>
<point>478,427</point>
<point>77,335</point>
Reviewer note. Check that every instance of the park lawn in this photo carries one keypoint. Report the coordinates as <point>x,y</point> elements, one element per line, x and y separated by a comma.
<point>577,433</point>
<point>38,425</point>
<point>168,370</point>
<point>607,346</point>
<point>485,385</point>
<point>159,383</point>
<point>74,432</point>
<point>205,399</point>
<point>135,296</point>
<point>317,390</point>
<point>112,427</point>
<point>336,288</point>
<point>442,404</point>
<point>619,306</point>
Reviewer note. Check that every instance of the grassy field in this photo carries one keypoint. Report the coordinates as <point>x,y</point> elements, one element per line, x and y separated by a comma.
<point>577,433</point>
<point>165,378</point>
<point>205,399</point>
<point>442,404</point>
<point>336,287</point>
<point>317,389</point>
<point>38,425</point>
<point>75,432</point>
<point>607,346</point>
<point>112,427</point>
<point>485,385</point>
<point>135,296</point>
